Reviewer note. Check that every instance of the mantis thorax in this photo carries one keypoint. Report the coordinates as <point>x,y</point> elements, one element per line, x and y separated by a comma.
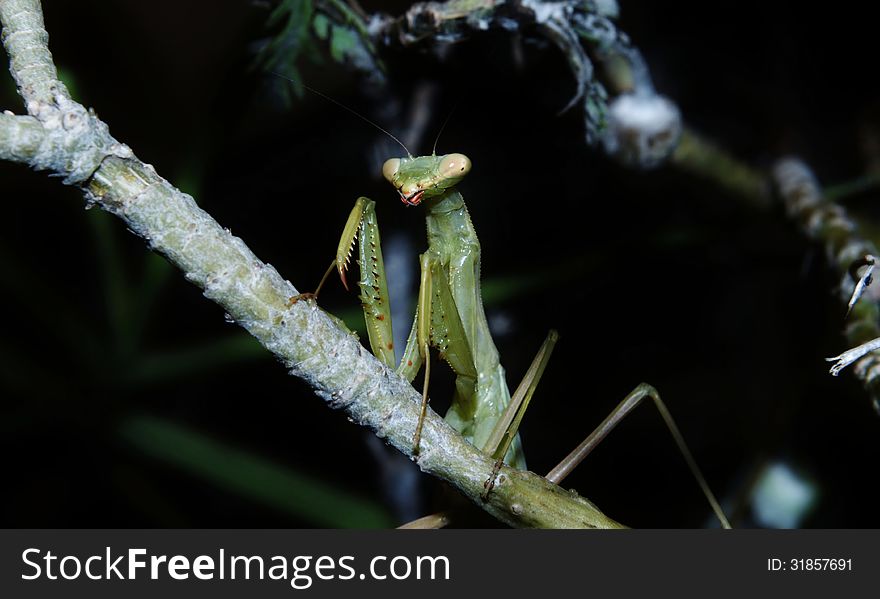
<point>422,177</point>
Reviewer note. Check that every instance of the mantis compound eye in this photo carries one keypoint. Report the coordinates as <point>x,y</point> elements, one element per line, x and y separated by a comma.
<point>454,165</point>
<point>390,168</point>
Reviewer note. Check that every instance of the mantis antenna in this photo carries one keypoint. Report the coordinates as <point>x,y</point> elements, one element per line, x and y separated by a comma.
<point>351,110</point>
<point>443,126</point>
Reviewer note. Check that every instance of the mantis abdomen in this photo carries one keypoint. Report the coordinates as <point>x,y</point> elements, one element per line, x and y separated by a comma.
<point>452,241</point>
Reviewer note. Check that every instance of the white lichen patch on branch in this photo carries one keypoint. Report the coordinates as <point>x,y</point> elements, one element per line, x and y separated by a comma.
<point>643,129</point>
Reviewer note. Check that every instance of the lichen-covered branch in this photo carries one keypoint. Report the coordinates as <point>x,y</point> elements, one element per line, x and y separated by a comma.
<point>846,250</point>
<point>21,137</point>
<point>573,26</point>
<point>64,138</point>
<point>27,43</point>
<point>584,31</point>
<point>73,141</point>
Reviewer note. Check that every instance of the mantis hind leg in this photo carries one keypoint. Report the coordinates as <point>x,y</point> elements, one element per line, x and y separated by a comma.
<point>502,443</point>
<point>504,433</point>
<point>619,413</point>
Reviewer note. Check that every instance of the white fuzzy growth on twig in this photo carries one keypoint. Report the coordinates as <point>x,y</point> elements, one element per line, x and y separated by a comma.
<point>643,129</point>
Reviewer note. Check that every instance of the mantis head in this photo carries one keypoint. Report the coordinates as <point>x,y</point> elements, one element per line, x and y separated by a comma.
<point>416,179</point>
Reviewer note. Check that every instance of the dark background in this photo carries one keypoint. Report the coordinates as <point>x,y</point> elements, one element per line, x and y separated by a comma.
<point>128,401</point>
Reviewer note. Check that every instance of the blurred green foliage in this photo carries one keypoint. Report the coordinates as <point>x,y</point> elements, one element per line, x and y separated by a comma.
<point>303,32</point>
<point>252,476</point>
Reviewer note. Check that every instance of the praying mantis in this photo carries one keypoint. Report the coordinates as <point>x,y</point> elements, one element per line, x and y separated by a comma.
<point>450,318</point>
<point>449,315</point>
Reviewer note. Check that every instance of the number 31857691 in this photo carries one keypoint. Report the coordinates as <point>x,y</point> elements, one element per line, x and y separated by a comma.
<point>809,564</point>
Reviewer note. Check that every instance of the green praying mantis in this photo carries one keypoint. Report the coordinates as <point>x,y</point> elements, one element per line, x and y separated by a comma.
<point>449,315</point>
<point>450,319</point>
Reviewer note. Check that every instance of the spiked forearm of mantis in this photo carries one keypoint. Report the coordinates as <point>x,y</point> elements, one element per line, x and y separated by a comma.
<point>59,135</point>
